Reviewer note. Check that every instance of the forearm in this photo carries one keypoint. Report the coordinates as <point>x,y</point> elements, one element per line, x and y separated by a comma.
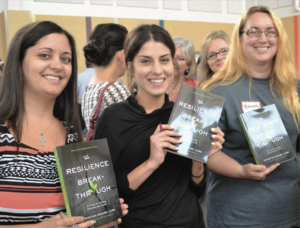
<point>222,164</point>
<point>140,174</point>
<point>197,172</point>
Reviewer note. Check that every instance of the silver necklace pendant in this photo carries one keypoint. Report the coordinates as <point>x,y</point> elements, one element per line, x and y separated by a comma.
<point>42,140</point>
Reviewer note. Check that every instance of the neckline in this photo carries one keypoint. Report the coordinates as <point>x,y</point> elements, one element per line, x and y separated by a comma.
<point>26,144</point>
<point>258,80</point>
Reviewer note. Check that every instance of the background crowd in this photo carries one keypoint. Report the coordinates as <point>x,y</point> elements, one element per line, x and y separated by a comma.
<point>44,104</point>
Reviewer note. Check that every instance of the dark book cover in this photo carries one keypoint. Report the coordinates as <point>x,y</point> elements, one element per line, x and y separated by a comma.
<point>267,136</point>
<point>194,113</point>
<point>88,181</point>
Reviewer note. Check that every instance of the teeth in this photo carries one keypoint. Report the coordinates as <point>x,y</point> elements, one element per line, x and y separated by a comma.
<point>156,81</point>
<point>51,77</point>
<point>262,48</point>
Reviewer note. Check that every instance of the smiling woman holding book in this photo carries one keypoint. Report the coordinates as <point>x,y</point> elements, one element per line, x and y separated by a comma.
<point>160,188</point>
<point>38,101</point>
<point>259,71</point>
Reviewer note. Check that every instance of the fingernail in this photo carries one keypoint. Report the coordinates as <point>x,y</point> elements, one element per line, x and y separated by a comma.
<point>93,222</point>
<point>172,126</point>
<point>83,219</point>
<point>214,136</point>
<point>212,143</point>
<point>213,129</point>
<point>180,141</point>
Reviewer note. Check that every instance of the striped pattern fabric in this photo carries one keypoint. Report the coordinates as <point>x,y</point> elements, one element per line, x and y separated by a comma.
<point>30,190</point>
<point>115,93</point>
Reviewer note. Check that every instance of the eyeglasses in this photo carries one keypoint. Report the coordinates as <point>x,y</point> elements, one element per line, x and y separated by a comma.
<point>253,32</point>
<point>222,52</point>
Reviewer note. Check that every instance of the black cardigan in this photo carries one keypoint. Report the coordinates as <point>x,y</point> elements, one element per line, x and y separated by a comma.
<point>168,198</point>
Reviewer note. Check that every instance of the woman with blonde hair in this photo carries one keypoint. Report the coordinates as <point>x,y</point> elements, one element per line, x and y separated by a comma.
<point>259,69</point>
<point>214,48</point>
<point>185,66</point>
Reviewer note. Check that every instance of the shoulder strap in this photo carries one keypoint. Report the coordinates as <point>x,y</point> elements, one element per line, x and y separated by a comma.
<point>95,116</point>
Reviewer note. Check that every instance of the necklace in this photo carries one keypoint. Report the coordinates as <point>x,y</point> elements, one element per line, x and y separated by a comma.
<point>42,139</point>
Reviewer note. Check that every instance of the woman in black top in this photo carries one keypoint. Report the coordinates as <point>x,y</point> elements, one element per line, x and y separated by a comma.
<point>160,188</point>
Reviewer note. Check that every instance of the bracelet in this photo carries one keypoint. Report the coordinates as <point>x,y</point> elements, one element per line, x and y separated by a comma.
<point>200,175</point>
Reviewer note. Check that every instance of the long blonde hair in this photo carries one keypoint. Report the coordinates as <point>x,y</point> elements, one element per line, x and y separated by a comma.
<point>283,78</point>
<point>204,69</point>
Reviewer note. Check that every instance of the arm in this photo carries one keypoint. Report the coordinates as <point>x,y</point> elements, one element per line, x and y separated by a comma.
<point>61,221</point>
<point>158,141</point>
<point>222,164</point>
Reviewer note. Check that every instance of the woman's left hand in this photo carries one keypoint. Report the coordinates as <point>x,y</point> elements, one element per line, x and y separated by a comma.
<point>124,208</point>
<point>218,140</point>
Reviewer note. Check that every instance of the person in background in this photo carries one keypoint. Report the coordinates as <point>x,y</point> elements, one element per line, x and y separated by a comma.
<point>38,111</point>
<point>214,48</point>
<point>259,69</point>
<point>106,52</point>
<point>83,79</point>
<point>160,188</point>
<point>198,65</point>
<point>1,68</point>
<point>185,66</point>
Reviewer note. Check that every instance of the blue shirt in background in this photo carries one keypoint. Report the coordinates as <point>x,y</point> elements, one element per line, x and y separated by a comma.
<point>83,80</point>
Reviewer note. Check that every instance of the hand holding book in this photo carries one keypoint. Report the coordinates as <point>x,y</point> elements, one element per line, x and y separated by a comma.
<point>256,172</point>
<point>160,140</point>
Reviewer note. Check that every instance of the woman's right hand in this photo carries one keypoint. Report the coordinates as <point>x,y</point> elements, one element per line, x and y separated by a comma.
<point>58,222</point>
<point>256,172</point>
<point>159,140</point>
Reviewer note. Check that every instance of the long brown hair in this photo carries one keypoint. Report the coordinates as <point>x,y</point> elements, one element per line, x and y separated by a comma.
<point>12,85</point>
<point>283,78</point>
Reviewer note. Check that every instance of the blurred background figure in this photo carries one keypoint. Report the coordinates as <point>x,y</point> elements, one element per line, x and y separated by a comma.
<point>105,51</point>
<point>215,47</point>
<point>1,68</point>
<point>185,66</point>
<point>83,79</point>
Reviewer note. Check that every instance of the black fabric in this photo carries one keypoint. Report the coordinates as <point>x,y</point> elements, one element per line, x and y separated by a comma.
<point>168,198</point>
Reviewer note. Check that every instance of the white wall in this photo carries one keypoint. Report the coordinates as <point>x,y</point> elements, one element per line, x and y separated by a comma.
<point>230,9</point>
<point>115,11</point>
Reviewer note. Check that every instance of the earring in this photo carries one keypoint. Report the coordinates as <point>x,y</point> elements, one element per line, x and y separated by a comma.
<point>187,71</point>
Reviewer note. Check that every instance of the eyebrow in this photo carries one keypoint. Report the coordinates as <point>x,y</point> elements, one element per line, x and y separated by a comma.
<point>145,56</point>
<point>50,49</point>
<point>219,50</point>
<point>267,28</point>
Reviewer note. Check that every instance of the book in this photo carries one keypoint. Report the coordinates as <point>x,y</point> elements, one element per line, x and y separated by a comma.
<point>88,182</point>
<point>266,135</point>
<point>194,113</point>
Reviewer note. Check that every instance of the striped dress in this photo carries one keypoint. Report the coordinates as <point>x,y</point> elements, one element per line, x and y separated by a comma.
<point>30,190</point>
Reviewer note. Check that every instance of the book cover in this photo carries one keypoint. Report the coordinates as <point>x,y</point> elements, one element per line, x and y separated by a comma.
<point>194,113</point>
<point>267,136</point>
<point>88,182</point>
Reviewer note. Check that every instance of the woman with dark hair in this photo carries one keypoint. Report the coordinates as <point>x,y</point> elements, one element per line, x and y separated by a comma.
<point>160,188</point>
<point>38,111</point>
<point>105,50</point>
